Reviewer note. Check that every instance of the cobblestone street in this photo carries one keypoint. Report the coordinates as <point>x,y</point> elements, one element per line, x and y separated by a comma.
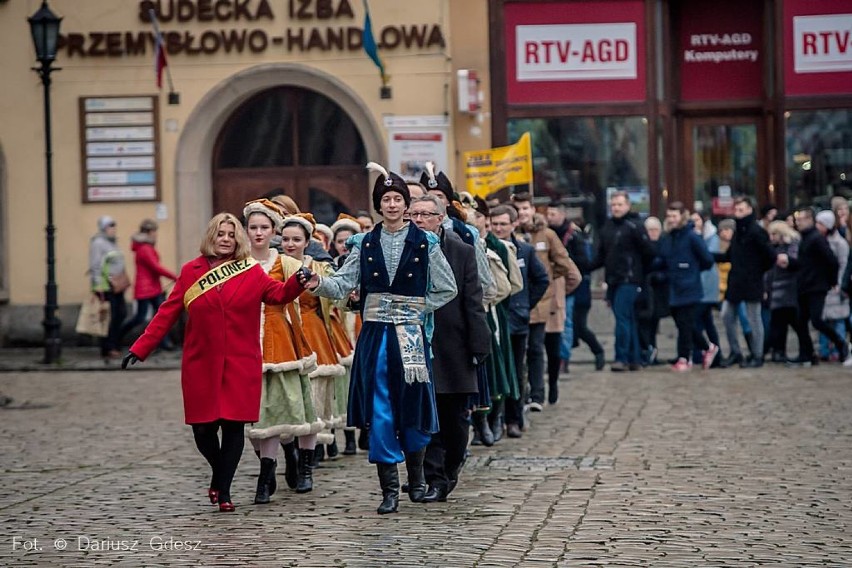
<point>715,468</point>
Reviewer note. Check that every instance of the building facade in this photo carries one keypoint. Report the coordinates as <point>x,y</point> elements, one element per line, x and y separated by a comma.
<point>269,94</point>
<point>694,100</point>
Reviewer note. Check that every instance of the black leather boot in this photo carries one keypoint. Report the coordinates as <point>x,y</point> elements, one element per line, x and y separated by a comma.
<point>319,455</point>
<point>364,439</point>
<point>265,481</point>
<point>482,429</point>
<point>305,481</point>
<point>349,448</point>
<point>495,419</point>
<point>331,449</point>
<point>389,481</point>
<point>291,464</point>
<point>416,477</point>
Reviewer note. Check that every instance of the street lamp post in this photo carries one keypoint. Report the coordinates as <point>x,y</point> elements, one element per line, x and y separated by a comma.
<point>44,25</point>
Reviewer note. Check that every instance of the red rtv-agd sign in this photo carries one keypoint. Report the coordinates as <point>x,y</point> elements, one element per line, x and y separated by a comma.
<point>817,47</point>
<point>575,52</point>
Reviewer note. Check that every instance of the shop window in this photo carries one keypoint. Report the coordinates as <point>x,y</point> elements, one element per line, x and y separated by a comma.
<point>580,160</point>
<point>818,155</point>
<point>289,126</point>
<point>724,163</point>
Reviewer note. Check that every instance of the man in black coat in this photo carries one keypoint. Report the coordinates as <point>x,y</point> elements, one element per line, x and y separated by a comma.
<point>624,250</point>
<point>750,255</point>
<point>460,341</point>
<point>817,267</point>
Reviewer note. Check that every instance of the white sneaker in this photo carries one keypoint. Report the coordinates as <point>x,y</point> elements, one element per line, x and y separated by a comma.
<point>537,407</point>
<point>848,361</point>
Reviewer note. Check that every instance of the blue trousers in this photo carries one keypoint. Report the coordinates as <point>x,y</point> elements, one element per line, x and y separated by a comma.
<point>626,328</point>
<point>568,331</point>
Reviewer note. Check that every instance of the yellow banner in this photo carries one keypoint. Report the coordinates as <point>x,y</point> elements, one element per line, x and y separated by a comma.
<point>487,171</point>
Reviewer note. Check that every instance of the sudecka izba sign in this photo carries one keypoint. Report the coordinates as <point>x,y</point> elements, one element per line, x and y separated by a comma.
<point>312,25</point>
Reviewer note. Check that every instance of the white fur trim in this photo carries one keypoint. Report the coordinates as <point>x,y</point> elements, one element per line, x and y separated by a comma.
<point>430,171</point>
<point>307,225</point>
<point>284,367</point>
<point>346,224</point>
<point>309,364</point>
<point>346,361</point>
<point>327,371</point>
<point>325,438</point>
<point>285,430</point>
<point>326,230</point>
<point>256,207</point>
<point>374,167</point>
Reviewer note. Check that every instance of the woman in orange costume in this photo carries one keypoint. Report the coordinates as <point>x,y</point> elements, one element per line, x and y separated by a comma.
<point>286,406</point>
<point>295,236</point>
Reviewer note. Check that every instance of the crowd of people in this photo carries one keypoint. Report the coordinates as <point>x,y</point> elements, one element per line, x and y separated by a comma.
<point>454,316</point>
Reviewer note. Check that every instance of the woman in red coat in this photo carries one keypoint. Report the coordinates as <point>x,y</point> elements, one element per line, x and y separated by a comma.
<point>222,291</point>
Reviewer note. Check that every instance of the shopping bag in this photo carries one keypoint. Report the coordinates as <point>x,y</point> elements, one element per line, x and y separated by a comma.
<point>119,282</point>
<point>94,317</point>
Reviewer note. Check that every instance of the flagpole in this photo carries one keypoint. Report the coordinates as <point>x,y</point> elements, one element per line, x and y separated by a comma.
<point>153,17</point>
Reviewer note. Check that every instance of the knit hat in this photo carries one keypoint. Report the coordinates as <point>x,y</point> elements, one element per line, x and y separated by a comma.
<point>385,183</point>
<point>437,181</point>
<point>105,221</point>
<point>347,222</point>
<point>826,219</point>
<point>267,208</point>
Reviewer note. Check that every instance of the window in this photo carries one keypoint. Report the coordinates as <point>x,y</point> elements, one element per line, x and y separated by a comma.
<point>581,159</point>
<point>818,155</point>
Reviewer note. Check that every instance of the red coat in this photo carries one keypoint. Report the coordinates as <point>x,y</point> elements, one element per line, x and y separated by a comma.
<point>148,269</point>
<point>222,364</point>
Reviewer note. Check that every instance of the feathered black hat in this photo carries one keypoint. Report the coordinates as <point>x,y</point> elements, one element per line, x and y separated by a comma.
<point>440,181</point>
<point>387,181</point>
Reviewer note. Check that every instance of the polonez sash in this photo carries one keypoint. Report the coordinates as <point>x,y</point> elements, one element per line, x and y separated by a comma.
<point>215,277</point>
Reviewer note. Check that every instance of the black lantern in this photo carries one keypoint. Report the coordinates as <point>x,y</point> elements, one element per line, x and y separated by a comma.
<point>44,26</point>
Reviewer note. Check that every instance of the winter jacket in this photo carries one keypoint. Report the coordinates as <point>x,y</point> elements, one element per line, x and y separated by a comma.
<point>836,301</point>
<point>148,268</point>
<point>781,283</point>
<point>103,249</point>
<point>710,278</point>
<point>750,255</point>
<point>684,256</point>
<point>817,265</point>
<point>535,284</point>
<point>561,271</point>
<point>624,250</point>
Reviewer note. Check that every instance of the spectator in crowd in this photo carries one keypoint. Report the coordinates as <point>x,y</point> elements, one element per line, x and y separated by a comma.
<point>624,250</point>
<point>840,206</point>
<point>684,257</point>
<point>504,220</point>
<point>652,303</point>
<point>768,213</point>
<point>106,274</point>
<point>818,268</point>
<point>147,290</point>
<point>547,319</point>
<point>782,291</point>
<point>836,310</point>
<point>704,321</point>
<point>583,294</point>
<point>750,256</point>
<point>365,220</point>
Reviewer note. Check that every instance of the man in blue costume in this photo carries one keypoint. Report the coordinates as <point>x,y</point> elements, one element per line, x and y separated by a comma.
<point>402,275</point>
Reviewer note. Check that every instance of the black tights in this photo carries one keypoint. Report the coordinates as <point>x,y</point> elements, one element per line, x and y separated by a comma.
<point>552,344</point>
<point>224,458</point>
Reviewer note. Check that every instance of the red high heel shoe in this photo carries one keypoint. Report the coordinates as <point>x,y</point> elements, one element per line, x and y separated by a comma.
<point>226,507</point>
<point>213,495</point>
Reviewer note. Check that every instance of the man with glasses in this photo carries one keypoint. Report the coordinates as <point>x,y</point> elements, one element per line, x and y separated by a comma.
<point>504,220</point>
<point>461,340</point>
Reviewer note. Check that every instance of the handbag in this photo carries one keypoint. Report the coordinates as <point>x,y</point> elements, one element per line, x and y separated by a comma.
<point>119,282</point>
<point>94,317</point>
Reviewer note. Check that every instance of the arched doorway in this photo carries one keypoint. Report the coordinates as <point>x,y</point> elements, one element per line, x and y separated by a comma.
<point>293,139</point>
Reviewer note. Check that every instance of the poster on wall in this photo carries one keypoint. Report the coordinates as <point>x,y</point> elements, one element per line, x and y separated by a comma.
<point>415,140</point>
<point>721,46</point>
<point>817,47</point>
<point>119,149</point>
<point>575,52</point>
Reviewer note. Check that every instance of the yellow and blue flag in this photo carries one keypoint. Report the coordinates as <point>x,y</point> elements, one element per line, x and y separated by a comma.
<point>369,43</point>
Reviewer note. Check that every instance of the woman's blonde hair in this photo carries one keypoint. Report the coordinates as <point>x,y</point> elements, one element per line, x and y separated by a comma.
<point>208,243</point>
<point>787,233</point>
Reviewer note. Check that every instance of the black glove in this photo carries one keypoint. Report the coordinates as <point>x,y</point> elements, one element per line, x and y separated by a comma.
<point>129,359</point>
<point>303,275</point>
